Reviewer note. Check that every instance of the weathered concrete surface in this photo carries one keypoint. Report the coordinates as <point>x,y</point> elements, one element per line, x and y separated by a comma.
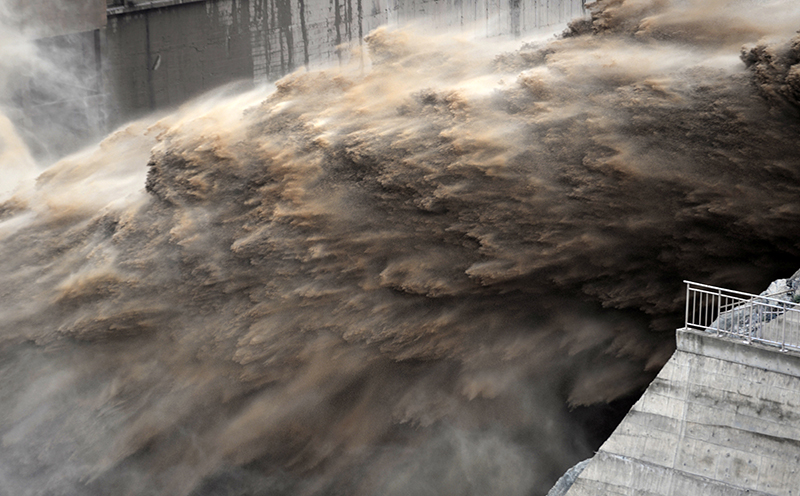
<point>47,18</point>
<point>566,481</point>
<point>721,418</point>
<point>107,62</point>
<point>51,88</point>
<point>161,57</point>
<point>58,103</point>
<point>162,52</point>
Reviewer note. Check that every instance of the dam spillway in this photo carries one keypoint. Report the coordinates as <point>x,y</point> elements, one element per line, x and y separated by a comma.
<point>110,62</point>
<point>161,53</point>
<point>388,281</point>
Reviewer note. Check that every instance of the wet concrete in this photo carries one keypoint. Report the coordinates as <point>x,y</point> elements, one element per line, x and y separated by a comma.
<point>159,54</point>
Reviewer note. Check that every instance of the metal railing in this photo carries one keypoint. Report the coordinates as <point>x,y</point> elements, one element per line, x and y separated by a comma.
<point>772,320</point>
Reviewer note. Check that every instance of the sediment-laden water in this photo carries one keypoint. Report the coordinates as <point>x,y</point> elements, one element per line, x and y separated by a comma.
<point>422,276</point>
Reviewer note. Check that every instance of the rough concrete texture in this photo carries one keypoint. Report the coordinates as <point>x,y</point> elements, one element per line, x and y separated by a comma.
<point>46,18</point>
<point>566,481</point>
<point>721,418</point>
<point>162,55</point>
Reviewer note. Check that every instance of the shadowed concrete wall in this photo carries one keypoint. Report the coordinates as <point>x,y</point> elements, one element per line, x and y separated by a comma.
<point>46,18</point>
<point>721,418</point>
<point>51,88</point>
<point>160,57</point>
<point>162,52</point>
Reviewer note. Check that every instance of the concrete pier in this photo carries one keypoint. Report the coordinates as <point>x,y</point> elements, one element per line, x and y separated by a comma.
<point>721,418</point>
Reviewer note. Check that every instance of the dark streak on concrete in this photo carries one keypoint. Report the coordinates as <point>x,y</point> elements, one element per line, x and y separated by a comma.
<point>360,23</point>
<point>98,60</point>
<point>337,21</point>
<point>149,61</point>
<point>265,22</point>
<point>269,24</point>
<point>514,6</point>
<point>348,12</point>
<point>304,30</point>
<point>287,39</point>
<point>202,44</point>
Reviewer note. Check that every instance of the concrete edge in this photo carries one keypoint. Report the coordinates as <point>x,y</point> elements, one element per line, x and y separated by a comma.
<point>654,468</point>
<point>137,6</point>
<point>736,350</point>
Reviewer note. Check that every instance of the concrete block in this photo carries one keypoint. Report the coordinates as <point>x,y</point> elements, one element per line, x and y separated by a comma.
<point>608,469</point>
<point>649,422</point>
<point>707,410</point>
<point>708,365</point>
<point>584,486</point>
<point>632,444</point>
<point>677,408</point>
<point>786,481</point>
<point>724,422</point>
<point>654,403</point>
<point>674,389</point>
<point>767,481</point>
<point>790,397</point>
<point>688,484</point>
<point>707,378</point>
<point>697,457</point>
<point>769,391</point>
<point>650,480</point>
<point>700,432</point>
<point>660,448</point>
<point>731,350</point>
<point>746,386</point>
<point>765,427</point>
<point>737,467</point>
<point>667,372</point>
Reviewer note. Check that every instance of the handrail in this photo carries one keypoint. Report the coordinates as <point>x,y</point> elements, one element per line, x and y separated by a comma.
<point>733,291</point>
<point>763,319</point>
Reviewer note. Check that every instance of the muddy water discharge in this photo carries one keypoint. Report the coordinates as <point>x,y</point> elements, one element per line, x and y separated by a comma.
<point>395,279</point>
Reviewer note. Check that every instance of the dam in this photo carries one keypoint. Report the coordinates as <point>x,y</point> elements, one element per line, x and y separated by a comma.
<point>448,272</point>
<point>722,417</point>
<point>163,52</point>
<point>116,60</point>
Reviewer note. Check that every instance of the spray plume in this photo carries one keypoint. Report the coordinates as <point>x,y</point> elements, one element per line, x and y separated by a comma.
<point>394,279</point>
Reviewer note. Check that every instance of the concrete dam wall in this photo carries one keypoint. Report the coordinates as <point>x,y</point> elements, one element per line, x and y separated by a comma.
<point>722,418</point>
<point>160,53</point>
<point>108,63</point>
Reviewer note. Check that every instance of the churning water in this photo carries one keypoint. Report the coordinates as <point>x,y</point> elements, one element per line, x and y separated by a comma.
<point>395,279</point>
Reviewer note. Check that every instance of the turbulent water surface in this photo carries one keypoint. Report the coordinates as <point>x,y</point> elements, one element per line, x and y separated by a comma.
<point>410,277</point>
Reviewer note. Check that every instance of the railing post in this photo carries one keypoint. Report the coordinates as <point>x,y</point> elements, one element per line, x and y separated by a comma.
<point>686,321</point>
<point>719,311</point>
<point>783,329</point>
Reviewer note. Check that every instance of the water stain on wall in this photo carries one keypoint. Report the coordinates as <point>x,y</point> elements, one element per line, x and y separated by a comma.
<point>201,45</point>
